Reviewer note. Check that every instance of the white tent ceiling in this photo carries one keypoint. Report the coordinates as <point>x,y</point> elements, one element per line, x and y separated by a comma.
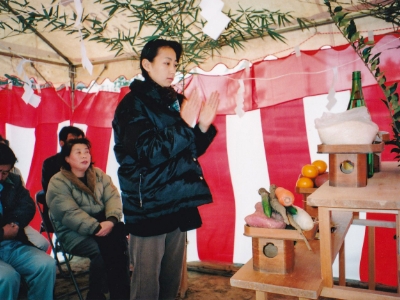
<point>50,54</point>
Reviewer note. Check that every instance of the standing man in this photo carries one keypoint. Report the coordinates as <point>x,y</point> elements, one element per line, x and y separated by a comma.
<point>18,257</point>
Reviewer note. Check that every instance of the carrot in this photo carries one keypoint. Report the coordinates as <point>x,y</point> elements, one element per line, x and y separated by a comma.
<point>279,208</point>
<point>285,197</point>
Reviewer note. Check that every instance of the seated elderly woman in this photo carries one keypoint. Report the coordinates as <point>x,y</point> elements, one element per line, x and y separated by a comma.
<point>86,209</point>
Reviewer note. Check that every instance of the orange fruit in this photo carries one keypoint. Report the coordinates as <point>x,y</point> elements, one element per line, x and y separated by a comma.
<point>309,171</point>
<point>321,165</point>
<point>304,182</point>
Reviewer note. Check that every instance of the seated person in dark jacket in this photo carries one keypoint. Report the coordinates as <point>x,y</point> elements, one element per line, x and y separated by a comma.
<point>53,164</point>
<point>33,235</point>
<point>18,257</point>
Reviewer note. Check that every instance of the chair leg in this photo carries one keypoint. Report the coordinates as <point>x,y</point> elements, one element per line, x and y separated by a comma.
<point>53,248</point>
<point>45,228</point>
<point>78,291</point>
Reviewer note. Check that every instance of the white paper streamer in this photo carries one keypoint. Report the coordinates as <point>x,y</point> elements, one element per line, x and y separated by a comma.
<point>297,51</point>
<point>29,96</point>
<point>85,60</point>
<point>370,35</point>
<point>240,99</point>
<point>211,10</point>
<point>79,11</point>
<point>20,67</point>
<point>246,65</point>
<point>28,92</point>
<point>331,96</point>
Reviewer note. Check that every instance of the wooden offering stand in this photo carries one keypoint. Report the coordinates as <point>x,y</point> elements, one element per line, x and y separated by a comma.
<point>348,163</point>
<point>295,270</point>
<point>273,249</point>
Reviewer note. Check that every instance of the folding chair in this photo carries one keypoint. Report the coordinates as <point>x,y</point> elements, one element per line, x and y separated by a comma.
<point>57,246</point>
<point>46,226</point>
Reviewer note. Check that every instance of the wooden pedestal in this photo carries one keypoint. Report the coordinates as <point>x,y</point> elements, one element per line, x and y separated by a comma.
<point>348,163</point>
<point>273,249</point>
<point>348,170</point>
<point>273,256</point>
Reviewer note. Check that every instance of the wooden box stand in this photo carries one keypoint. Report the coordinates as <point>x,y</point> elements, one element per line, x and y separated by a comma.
<point>273,255</point>
<point>273,249</point>
<point>348,163</point>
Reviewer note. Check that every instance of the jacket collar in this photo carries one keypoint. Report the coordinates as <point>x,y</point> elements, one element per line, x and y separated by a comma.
<point>164,96</point>
<point>91,181</point>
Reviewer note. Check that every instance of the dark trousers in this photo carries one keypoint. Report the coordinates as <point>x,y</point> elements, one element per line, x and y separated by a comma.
<point>109,262</point>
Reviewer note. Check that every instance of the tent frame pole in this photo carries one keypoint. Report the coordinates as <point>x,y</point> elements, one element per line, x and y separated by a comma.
<point>72,76</point>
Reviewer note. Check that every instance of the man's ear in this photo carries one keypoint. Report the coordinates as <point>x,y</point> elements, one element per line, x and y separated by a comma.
<point>61,143</point>
<point>146,64</point>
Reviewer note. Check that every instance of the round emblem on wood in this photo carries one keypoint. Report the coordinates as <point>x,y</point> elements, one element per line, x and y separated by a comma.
<point>270,250</point>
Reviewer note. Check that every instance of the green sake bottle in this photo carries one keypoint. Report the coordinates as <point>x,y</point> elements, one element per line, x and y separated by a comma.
<point>357,100</point>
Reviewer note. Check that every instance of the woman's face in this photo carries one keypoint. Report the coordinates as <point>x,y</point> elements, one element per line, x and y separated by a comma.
<point>163,68</point>
<point>79,159</point>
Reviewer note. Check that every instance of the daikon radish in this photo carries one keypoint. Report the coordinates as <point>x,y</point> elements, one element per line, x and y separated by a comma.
<point>303,219</point>
<point>285,197</point>
<point>297,227</point>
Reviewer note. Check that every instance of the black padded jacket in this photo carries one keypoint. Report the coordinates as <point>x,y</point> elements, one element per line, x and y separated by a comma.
<point>161,180</point>
<point>18,206</point>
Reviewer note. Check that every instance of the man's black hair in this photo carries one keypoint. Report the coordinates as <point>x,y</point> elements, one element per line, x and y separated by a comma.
<point>150,51</point>
<point>63,134</point>
<point>4,141</point>
<point>7,156</point>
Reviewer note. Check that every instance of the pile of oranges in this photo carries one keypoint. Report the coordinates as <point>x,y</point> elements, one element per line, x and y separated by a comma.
<point>309,172</point>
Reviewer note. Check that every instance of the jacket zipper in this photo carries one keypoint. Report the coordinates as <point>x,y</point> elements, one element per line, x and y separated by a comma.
<point>140,192</point>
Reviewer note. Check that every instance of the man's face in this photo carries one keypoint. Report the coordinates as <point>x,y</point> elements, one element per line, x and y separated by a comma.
<point>4,171</point>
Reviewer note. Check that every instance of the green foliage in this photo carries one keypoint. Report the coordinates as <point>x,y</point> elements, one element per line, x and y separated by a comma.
<point>175,19</point>
<point>348,28</point>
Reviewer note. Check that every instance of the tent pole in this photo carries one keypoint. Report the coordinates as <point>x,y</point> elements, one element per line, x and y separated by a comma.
<point>72,76</point>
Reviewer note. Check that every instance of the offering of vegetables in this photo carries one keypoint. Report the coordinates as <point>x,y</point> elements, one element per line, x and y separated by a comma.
<point>276,210</point>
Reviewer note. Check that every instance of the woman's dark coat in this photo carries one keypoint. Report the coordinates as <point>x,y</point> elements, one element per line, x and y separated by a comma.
<point>158,152</point>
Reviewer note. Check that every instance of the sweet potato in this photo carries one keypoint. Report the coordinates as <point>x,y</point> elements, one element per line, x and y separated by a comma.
<point>259,219</point>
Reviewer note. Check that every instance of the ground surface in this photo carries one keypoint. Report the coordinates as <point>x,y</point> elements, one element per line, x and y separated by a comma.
<point>200,286</point>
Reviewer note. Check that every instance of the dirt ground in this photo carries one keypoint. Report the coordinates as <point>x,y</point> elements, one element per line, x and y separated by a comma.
<point>204,283</point>
<point>200,286</point>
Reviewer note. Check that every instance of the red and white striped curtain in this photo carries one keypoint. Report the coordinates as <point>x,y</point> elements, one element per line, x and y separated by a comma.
<point>268,144</point>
